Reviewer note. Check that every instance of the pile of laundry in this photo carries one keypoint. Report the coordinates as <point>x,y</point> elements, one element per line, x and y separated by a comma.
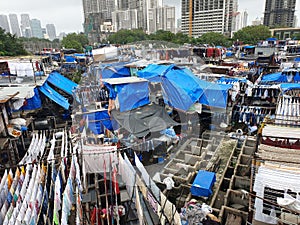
<point>199,214</point>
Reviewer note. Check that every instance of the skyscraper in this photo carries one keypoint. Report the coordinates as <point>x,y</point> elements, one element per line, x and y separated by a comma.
<point>4,23</point>
<point>202,16</point>
<point>279,13</point>
<point>240,20</point>
<point>36,28</point>
<point>25,25</point>
<point>96,12</point>
<point>149,15</point>
<point>14,25</point>
<point>51,31</point>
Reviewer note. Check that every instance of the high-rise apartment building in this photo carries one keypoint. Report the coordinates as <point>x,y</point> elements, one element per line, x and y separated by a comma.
<point>25,26</point>
<point>149,15</point>
<point>14,24</point>
<point>36,28</point>
<point>240,20</point>
<point>207,16</point>
<point>4,23</point>
<point>162,18</point>
<point>96,12</point>
<point>279,13</point>
<point>51,31</point>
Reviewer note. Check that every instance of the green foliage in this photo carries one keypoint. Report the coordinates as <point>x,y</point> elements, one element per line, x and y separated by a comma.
<point>10,45</point>
<point>181,38</point>
<point>214,39</point>
<point>163,36</point>
<point>35,39</point>
<point>296,36</point>
<point>127,36</point>
<point>252,34</point>
<point>76,41</point>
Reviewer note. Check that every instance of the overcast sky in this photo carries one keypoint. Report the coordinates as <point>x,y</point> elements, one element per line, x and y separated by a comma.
<point>67,15</point>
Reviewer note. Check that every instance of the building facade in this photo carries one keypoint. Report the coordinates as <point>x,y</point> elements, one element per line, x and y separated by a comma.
<point>51,31</point>
<point>25,26</point>
<point>239,21</point>
<point>202,16</point>
<point>36,28</point>
<point>96,13</point>
<point>279,13</point>
<point>149,15</point>
<point>14,24</point>
<point>4,23</point>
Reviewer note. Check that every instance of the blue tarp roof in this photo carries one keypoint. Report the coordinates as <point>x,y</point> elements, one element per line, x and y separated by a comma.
<point>34,102</point>
<point>97,121</point>
<point>62,82</point>
<point>202,185</point>
<point>153,72</point>
<point>115,72</point>
<point>181,89</point>
<point>280,77</point>
<point>297,59</point>
<point>289,86</point>
<point>271,39</point>
<point>54,96</point>
<point>70,59</point>
<point>131,93</point>
<point>215,95</point>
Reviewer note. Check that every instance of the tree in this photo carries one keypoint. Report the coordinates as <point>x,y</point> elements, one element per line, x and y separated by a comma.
<point>252,34</point>
<point>181,38</point>
<point>75,41</point>
<point>127,36</point>
<point>214,39</point>
<point>163,35</point>
<point>10,45</point>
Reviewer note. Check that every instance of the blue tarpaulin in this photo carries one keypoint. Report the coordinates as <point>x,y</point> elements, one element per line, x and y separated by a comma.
<point>98,121</point>
<point>34,102</point>
<point>54,96</point>
<point>115,72</point>
<point>133,95</point>
<point>203,183</point>
<point>289,86</point>
<point>297,59</point>
<point>271,39</point>
<point>215,95</point>
<point>70,59</point>
<point>181,89</point>
<point>153,72</point>
<point>282,77</point>
<point>132,92</point>
<point>62,82</point>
